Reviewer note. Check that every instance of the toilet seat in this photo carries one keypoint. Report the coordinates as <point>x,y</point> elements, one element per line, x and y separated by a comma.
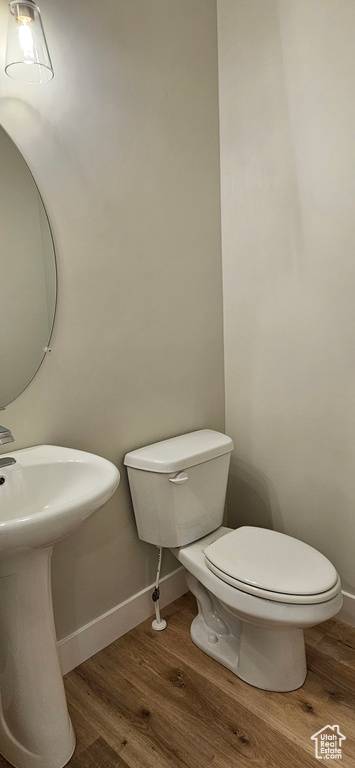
<point>272,566</point>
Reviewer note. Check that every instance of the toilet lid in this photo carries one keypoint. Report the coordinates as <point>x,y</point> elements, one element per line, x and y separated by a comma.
<point>271,561</point>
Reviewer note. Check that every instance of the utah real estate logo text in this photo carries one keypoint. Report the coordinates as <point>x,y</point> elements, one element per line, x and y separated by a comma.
<point>328,743</point>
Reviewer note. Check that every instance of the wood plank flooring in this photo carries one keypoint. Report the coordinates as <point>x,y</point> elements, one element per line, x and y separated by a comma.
<point>154,700</point>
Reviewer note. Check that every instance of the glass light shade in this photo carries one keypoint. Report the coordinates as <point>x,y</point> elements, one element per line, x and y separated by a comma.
<point>27,55</point>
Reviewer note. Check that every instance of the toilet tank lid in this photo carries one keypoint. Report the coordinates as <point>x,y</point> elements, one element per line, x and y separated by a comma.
<point>180,452</point>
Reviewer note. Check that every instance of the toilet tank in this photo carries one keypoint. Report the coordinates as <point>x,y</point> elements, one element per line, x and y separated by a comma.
<point>178,487</point>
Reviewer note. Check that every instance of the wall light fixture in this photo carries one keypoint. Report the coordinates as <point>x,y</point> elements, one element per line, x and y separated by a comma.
<point>27,55</point>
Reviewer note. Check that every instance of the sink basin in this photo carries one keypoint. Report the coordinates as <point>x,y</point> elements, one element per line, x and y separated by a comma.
<point>45,495</point>
<point>49,492</point>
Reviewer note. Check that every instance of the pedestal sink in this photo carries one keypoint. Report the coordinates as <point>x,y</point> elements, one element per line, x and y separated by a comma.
<point>45,495</point>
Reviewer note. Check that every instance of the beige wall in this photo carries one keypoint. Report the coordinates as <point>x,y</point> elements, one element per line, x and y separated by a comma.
<point>287,105</point>
<point>123,144</point>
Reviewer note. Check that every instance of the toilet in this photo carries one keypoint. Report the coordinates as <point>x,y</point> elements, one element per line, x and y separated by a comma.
<point>256,589</point>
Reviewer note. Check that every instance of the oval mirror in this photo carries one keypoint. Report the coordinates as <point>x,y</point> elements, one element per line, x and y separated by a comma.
<point>28,283</point>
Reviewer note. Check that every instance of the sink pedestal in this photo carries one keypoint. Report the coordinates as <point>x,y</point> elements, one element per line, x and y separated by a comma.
<point>35,728</point>
<point>47,492</point>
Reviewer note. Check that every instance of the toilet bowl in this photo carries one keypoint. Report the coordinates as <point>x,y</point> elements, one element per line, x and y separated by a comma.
<point>256,589</point>
<point>258,637</point>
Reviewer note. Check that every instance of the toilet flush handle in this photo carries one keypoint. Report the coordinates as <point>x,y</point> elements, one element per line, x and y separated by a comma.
<point>180,478</point>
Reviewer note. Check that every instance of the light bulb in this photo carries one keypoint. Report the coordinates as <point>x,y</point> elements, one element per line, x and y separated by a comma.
<point>27,55</point>
<point>24,14</point>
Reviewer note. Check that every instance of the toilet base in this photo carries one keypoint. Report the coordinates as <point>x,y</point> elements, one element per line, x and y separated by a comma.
<point>271,659</point>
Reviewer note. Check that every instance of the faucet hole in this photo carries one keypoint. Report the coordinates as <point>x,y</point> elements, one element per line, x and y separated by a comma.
<point>2,480</point>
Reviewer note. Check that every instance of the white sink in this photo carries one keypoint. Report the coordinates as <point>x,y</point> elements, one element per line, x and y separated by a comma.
<point>49,492</point>
<point>44,496</point>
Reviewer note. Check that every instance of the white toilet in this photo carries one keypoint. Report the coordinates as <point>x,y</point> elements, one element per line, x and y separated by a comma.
<point>256,589</point>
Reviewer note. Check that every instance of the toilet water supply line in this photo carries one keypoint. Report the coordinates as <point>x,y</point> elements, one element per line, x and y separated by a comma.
<point>158,623</point>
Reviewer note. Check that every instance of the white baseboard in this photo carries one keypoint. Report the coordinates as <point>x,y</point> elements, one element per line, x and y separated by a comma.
<point>93,637</point>
<point>96,635</point>
<point>347,612</point>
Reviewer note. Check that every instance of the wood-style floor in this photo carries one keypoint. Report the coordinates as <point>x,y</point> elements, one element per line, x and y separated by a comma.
<point>154,700</point>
